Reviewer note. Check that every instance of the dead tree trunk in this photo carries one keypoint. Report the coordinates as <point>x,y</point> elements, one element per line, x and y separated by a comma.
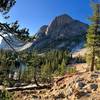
<point>35,78</point>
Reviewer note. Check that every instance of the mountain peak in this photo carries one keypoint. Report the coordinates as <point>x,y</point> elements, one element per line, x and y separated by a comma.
<point>59,32</point>
<point>66,16</point>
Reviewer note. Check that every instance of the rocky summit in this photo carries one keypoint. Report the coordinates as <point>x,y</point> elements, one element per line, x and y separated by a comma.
<point>63,32</point>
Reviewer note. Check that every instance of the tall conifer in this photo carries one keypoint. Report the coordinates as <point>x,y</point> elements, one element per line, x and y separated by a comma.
<point>93,37</point>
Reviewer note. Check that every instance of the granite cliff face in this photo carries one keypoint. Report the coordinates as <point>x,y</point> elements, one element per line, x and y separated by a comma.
<point>42,31</point>
<point>62,33</point>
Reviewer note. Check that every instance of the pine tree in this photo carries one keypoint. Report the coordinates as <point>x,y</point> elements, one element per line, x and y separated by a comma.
<point>93,37</point>
<point>46,73</point>
<point>62,67</point>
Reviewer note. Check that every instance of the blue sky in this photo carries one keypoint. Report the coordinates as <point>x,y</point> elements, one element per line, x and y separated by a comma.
<point>35,13</point>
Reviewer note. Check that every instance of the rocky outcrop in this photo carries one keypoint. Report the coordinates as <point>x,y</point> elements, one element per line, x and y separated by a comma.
<point>62,33</point>
<point>77,86</point>
<point>42,32</point>
<point>83,86</point>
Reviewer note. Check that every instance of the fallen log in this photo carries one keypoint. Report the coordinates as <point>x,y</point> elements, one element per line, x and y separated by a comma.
<point>28,88</point>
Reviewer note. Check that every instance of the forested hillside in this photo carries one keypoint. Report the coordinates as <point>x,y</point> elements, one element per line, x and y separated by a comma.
<point>60,62</point>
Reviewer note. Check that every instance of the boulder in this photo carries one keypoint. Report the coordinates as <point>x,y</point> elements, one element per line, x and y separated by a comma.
<point>80,85</point>
<point>94,86</point>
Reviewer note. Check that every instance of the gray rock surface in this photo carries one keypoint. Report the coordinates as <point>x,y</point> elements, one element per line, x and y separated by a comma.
<point>42,31</point>
<point>63,32</point>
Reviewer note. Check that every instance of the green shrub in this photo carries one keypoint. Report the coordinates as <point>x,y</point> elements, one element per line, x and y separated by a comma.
<point>5,95</point>
<point>70,69</point>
